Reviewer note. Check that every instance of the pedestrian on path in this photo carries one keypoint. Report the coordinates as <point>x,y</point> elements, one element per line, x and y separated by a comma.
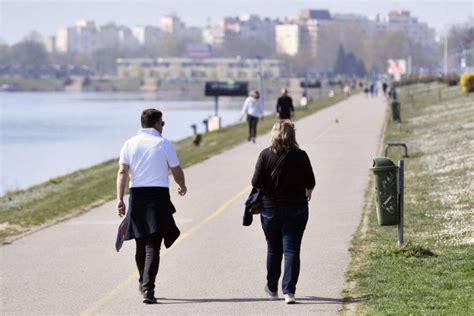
<point>284,107</point>
<point>147,157</point>
<point>284,173</point>
<point>253,111</point>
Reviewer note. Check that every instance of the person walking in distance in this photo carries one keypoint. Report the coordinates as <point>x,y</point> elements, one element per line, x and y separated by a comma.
<point>146,158</point>
<point>284,174</point>
<point>284,107</point>
<point>253,110</point>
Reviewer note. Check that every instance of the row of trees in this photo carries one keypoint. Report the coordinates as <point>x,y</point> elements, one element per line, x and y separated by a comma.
<point>339,51</point>
<point>345,51</point>
<point>31,58</point>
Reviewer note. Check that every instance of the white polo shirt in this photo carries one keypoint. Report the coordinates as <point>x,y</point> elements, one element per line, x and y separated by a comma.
<point>149,157</point>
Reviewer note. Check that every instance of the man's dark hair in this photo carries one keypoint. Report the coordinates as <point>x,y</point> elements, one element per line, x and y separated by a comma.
<point>150,117</point>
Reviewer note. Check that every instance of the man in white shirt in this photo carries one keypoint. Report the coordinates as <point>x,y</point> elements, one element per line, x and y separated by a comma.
<point>253,110</point>
<point>147,157</point>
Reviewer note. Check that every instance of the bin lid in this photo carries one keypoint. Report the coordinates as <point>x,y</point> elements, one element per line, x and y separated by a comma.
<point>383,164</point>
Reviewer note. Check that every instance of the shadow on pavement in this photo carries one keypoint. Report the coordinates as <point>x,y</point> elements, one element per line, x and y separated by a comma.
<point>300,300</point>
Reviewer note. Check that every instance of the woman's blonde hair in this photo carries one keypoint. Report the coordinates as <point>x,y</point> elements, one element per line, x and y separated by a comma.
<point>283,136</point>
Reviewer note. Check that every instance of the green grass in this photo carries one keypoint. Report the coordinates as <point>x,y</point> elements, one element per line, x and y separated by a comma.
<point>78,192</point>
<point>113,85</point>
<point>433,273</point>
<point>27,84</point>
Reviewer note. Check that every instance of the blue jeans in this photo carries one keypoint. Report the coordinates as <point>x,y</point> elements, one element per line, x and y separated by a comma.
<point>283,224</point>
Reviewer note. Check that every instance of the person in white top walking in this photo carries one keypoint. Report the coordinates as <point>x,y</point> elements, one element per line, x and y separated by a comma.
<point>147,157</point>
<point>253,110</point>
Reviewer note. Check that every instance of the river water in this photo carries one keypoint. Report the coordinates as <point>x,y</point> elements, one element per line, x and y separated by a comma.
<point>48,134</point>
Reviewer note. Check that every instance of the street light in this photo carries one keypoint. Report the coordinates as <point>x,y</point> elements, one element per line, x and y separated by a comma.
<point>261,88</point>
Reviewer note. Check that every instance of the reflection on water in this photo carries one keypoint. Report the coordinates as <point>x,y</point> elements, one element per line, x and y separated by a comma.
<point>44,135</point>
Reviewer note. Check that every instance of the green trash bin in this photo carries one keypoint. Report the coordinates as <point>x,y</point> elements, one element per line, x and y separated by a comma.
<point>396,111</point>
<point>386,195</point>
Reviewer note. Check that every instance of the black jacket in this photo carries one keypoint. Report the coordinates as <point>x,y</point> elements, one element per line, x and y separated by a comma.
<point>284,107</point>
<point>150,211</point>
<point>294,175</point>
<point>253,197</point>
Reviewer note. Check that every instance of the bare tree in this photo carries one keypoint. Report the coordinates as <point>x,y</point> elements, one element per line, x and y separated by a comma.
<point>30,55</point>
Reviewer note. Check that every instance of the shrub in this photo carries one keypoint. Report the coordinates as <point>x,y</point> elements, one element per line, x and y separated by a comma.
<point>414,78</point>
<point>467,82</point>
<point>451,79</point>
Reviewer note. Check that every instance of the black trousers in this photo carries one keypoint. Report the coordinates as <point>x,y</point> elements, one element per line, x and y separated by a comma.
<point>147,257</point>
<point>253,121</point>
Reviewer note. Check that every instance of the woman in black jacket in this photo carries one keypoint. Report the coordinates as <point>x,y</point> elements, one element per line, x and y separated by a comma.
<point>284,173</point>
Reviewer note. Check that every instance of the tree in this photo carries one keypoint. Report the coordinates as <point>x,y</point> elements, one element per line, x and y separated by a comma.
<point>348,64</point>
<point>246,47</point>
<point>30,56</point>
<point>5,54</point>
<point>104,61</point>
<point>340,67</point>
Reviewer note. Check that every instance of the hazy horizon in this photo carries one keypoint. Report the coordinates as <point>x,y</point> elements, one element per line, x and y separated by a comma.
<point>19,18</point>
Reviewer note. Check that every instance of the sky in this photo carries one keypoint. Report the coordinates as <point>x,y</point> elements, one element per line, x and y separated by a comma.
<point>18,18</point>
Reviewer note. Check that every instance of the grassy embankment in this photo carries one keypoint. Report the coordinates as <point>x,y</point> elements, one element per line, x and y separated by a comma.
<point>78,192</point>
<point>43,84</point>
<point>26,84</point>
<point>433,273</point>
<point>113,85</point>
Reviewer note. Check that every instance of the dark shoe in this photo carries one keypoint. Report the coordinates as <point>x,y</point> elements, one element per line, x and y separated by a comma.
<point>141,289</point>
<point>149,297</point>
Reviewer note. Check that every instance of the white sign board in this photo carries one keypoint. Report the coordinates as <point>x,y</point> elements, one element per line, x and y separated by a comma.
<point>397,66</point>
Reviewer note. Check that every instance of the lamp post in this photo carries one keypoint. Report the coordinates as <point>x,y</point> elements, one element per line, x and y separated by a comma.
<point>446,56</point>
<point>261,87</point>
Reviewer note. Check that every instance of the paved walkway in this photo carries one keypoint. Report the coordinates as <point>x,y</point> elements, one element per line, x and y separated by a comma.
<point>218,266</point>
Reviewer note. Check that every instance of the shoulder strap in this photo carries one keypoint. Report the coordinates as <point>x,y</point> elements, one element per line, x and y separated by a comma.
<point>278,163</point>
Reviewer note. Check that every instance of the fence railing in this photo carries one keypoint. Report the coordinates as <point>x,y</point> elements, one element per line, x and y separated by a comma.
<point>438,91</point>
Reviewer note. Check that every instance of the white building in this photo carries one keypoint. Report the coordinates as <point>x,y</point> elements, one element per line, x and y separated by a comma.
<point>288,39</point>
<point>249,26</point>
<point>301,34</point>
<point>51,44</point>
<point>172,24</point>
<point>402,21</point>
<point>147,36</point>
<point>126,39</point>
<point>108,36</point>
<point>86,37</point>
<point>358,23</point>
<point>79,38</point>
<point>213,36</point>
<point>67,40</point>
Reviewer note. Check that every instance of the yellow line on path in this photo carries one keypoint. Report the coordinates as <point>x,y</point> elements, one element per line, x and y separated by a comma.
<point>133,276</point>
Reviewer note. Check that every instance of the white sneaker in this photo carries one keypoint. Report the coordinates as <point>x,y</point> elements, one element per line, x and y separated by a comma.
<point>271,295</point>
<point>290,298</point>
